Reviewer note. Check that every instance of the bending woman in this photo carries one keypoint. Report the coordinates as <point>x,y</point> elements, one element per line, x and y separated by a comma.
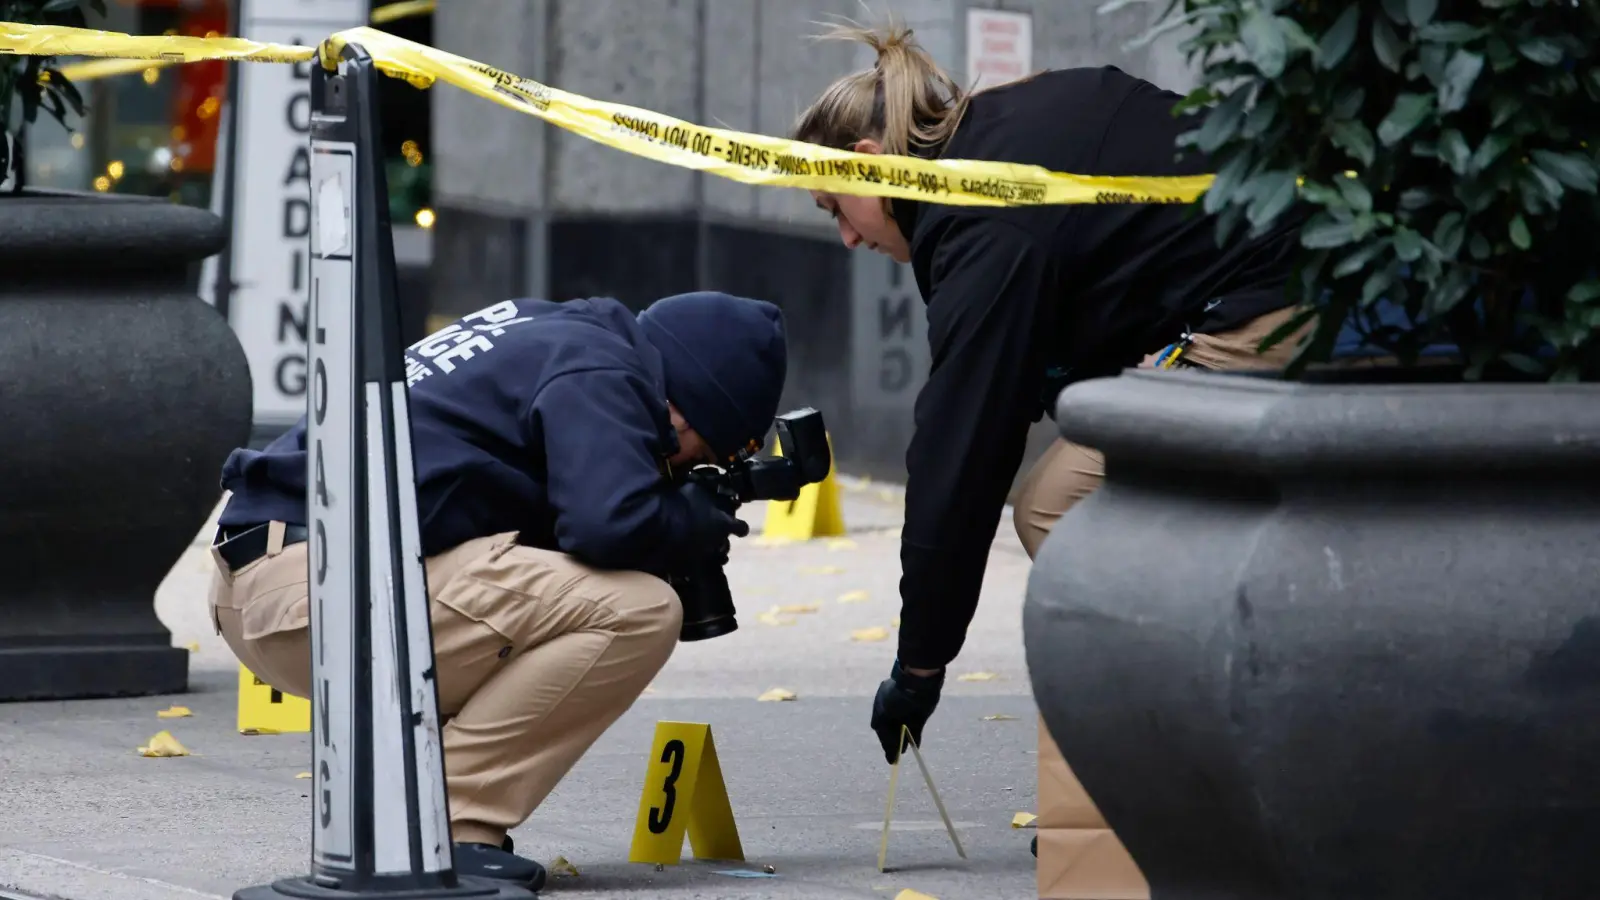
<point>1022,301</point>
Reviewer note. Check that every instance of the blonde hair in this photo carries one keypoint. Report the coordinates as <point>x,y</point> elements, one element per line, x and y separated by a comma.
<point>904,102</point>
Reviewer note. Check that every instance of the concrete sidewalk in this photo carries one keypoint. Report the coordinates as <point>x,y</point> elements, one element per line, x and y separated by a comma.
<point>86,817</point>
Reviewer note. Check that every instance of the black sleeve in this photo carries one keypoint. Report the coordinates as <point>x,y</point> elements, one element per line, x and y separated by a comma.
<point>972,419</point>
<point>614,508</point>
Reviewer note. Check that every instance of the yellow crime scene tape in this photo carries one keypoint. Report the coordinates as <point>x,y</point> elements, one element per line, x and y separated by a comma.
<point>112,68</point>
<point>737,156</point>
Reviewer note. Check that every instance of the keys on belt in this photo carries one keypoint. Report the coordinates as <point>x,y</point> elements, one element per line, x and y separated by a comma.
<point>239,546</point>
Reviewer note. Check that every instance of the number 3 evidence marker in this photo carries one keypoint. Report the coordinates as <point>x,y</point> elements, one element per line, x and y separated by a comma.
<point>684,791</point>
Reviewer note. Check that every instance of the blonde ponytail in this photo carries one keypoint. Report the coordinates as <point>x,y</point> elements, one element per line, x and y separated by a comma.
<point>905,102</point>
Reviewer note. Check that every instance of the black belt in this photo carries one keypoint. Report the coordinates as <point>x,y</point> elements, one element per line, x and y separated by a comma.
<point>240,546</point>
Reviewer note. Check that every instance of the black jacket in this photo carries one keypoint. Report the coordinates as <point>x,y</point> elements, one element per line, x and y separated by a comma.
<point>1012,292</point>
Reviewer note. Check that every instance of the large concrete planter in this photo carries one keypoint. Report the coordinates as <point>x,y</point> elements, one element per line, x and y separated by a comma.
<point>1332,641</point>
<point>123,393</point>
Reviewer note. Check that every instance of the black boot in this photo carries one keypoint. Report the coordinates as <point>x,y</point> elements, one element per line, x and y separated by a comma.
<point>489,861</point>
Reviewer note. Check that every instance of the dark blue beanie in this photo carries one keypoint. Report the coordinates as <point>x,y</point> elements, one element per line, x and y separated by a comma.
<point>725,360</point>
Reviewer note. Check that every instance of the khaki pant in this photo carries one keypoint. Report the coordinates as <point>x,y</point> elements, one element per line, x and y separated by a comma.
<point>1068,472</point>
<point>537,655</point>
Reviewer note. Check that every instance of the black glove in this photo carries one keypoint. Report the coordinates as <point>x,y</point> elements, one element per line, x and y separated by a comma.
<point>903,700</point>
<point>711,520</point>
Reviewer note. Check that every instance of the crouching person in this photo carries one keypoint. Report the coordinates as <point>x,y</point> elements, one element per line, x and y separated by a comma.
<point>546,438</point>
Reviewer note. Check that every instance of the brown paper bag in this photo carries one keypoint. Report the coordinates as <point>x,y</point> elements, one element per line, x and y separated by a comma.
<point>1079,856</point>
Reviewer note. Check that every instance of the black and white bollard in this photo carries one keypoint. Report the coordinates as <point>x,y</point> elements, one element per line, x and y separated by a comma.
<point>380,816</point>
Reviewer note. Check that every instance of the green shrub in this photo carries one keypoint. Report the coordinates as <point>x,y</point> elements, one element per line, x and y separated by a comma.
<point>1448,151</point>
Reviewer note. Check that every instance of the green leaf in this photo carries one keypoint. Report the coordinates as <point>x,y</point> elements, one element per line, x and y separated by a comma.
<point>1324,232</point>
<point>1199,98</point>
<point>1376,284</point>
<point>1390,48</point>
<point>1265,42</point>
<point>1338,40</point>
<point>1274,192</point>
<point>1502,107</point>
<point>1492,148</point>
<point>1420,12</point>
<point>1501,54</point>
<point>1260,117</point>
<point>1407,244</point>
<point>1396,11</point>
<point>1541,50</point>
<point>1451,32</point>
<point>1408,112</point>
<point>1519,233</point>
<point>1523,363</point>
<point>1227,180</point>
<point>1454,151</point>
<point>1459,76</point>
<point>1539,182</point>
<point>1449,233</point>
<point>1356,194</point>
<point>1480,246</point>
<point>1571,169</point>
<point>1222,123</point>
<point>1360,259</point>
<point>1349,102</point>
<point>1584,291</point>
<point>1353,138</point>
<point>1321,194</point>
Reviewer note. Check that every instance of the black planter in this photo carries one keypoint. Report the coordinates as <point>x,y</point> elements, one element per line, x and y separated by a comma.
<point>1327,641</point>
<point>122,395</point>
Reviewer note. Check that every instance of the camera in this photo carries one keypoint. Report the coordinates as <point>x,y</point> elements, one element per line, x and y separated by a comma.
<point>702,588</point>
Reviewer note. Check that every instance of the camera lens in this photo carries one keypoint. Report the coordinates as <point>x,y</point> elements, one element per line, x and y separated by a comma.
<point>706,629</point>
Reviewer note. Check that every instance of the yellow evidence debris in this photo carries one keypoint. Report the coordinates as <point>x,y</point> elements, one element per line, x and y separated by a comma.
<point>775,616</point>
<point>1023,820</point>
<point>799,608</point>
<point>776,695</point>
<point>162,745</point>
<point>561,866</point>
<point>854,597</point>
<point>174,712</point>
<point>869,634</point>
<point>977,676</point>
<point>841,544</point>
<point>302,775</point>
<point>1000,717</point>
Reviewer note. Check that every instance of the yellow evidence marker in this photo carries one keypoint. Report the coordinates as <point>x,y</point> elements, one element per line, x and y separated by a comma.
<point>264,709</point>
<point>684,791</point>
<point>815,513</point>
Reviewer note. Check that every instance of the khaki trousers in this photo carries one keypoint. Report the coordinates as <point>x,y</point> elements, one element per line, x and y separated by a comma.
<point>537,656</point>
<point>1068,472</point>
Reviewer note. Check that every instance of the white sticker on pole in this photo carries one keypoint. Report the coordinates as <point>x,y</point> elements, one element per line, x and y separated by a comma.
<point>999,47</point>
<point>331,448</point>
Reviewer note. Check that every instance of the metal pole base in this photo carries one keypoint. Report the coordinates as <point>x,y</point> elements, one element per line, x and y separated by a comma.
<point>308,887</point>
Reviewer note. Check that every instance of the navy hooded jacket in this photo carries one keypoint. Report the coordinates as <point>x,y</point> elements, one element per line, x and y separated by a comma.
<point>550,420</point>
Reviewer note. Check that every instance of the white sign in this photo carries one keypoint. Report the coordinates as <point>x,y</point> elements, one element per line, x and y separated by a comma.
<point>889,334</point>
<point>331,443</point>
<point>999,47</point>
<point>272,200</point>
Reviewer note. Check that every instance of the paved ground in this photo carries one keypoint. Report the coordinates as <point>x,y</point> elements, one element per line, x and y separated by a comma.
<point>87,818</point>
